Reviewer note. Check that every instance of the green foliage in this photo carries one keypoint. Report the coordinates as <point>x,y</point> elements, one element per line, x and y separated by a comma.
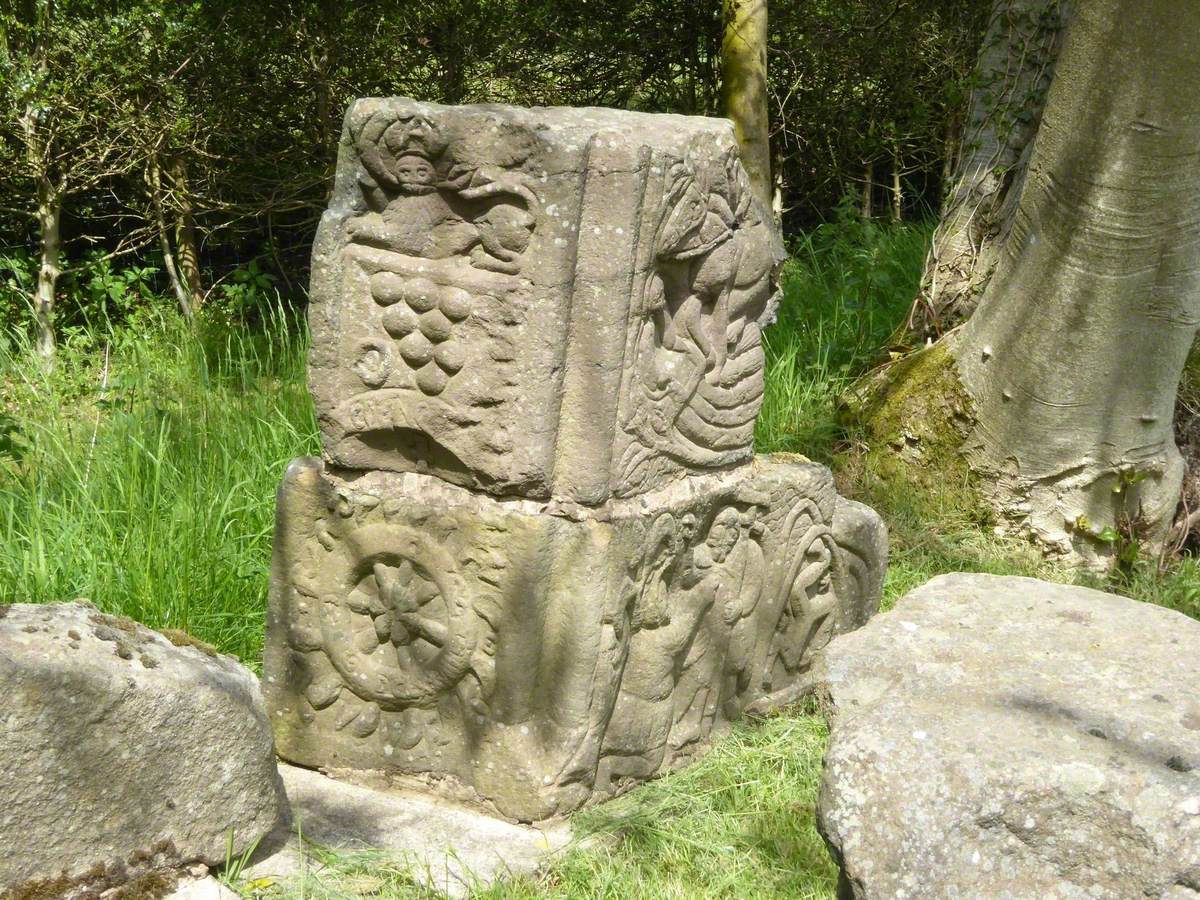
<point>225,116</point>
<point>846,288</point>
<point>18,277</point>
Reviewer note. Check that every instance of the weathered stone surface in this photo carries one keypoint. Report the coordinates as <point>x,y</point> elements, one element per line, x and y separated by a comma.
<point>117,746</point>
<point>535,654</point>
<point>542,564</point>
<point>539,302</point>
<point>446,846</point>
<point>1013,738</point>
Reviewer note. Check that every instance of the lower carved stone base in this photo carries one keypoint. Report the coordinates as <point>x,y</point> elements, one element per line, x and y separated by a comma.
<point>538,656</point>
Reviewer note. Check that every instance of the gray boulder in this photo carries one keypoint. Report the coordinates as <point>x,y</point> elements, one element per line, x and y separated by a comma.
<point>123,749</point>
<point>1010,738</point>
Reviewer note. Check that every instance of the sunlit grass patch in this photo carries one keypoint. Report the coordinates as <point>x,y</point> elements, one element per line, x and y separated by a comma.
<point>146,481</point>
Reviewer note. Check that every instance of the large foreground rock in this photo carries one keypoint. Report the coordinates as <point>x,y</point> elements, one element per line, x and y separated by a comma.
<point>119,747</point>
<point>1009,738</point>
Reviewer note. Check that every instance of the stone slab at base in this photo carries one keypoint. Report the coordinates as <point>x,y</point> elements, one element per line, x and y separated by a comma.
<point>537,656</point>
<point>450,847</point>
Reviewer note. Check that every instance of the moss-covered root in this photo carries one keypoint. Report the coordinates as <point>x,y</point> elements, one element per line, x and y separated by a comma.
<point>913,417</point>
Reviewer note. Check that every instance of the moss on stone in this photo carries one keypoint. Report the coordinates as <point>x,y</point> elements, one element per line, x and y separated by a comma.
<point>41,889</point>
<point>112,881</point>
<point>183,639</point>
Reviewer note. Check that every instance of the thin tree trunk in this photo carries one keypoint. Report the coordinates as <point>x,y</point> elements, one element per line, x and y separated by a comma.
<point>777,195</point>
<point>1013,73</point>
<point>154,176</point>
<point>897,196</point>
<point>49,217</point>
<point>1074,356</point>
<point>185,236</point>
<point>868,188</point>
<point>744,88</point>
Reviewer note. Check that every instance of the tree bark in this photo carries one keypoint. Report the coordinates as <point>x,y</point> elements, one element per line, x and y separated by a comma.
<point>897,196</point>
<point>49,218</point>
<point>185,235</point>
<point>868,189</point>
<point>744,88</point>
<point>1068,370</point>
<point>1075,354</point>
<point>154,177</point>
<point>1012,76</point>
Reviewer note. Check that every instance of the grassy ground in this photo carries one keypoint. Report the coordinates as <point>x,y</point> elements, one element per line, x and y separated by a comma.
<point>141,474</point>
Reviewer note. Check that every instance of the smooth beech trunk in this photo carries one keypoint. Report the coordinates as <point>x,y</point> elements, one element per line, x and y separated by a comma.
<point>1074,356</point>
<point>744,88</point>
<point>1012,75</point>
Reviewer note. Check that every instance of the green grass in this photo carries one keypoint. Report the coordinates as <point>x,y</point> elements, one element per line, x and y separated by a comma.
<point>844,291</point>
<point>154,497</point>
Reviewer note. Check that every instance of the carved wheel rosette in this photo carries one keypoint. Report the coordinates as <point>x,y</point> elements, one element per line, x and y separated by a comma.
<point>395,625</point>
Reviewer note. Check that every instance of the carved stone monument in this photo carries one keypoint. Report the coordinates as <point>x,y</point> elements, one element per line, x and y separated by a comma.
<point>539,561</point>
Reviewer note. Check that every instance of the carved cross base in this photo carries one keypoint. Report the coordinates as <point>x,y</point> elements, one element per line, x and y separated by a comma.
<point>535,656</point>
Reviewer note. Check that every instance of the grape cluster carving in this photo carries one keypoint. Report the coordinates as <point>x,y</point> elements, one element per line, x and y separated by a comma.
<point>420,316</point>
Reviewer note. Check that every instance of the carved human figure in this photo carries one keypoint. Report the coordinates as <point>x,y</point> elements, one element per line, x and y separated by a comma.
<point>681,589</point>
<point>720,661</point>
<point>482,214</point>
<point>419,220</point>
<point>697,347</point>
<point>748,574</point>
<point>807,622</point>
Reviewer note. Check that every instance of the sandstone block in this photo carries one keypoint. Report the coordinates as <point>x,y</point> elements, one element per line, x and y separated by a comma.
<point>539,302</point>
<point>117,746</point>
<point>1011,738</point>
<point>536,655</point>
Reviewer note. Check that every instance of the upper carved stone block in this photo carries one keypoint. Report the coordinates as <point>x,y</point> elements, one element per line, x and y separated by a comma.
<point>541,302</point>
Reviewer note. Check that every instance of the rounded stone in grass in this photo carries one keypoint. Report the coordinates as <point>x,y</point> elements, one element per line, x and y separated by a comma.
<point>120,745</point>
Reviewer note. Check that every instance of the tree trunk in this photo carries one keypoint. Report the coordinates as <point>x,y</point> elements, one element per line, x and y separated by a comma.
<point>868,188</point>
<point>744,88</point>
<point>185,236</point>
<point>1066,375</point>
<point>1012,75</point>
<point>49,217</point>
<point>154,177</point>
<point>897,196</point>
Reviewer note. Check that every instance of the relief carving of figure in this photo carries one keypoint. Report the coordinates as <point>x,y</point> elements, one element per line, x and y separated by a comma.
<point>804,598</point>
<point>716,569</point>
<point>425,202</point>
<point>697,347</point>
<point>663,626</point>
